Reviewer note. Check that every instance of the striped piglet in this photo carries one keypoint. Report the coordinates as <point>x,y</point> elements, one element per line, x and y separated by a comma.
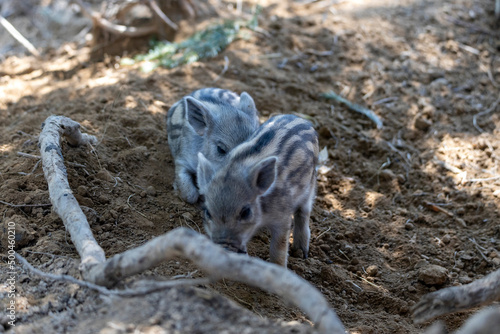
<point>263,182</point>
<point>209,120</point>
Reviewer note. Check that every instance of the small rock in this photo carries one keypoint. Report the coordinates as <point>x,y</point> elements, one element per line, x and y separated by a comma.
<point>411,288</point>
<point>387,174</point>
<point>151,191</point>
<point>103,199</point>
<point>82,190</point>
<point>28,199</point>
<point>446,239</point>
<point>422,123</point>
<point>409,226</point>
<point>433,275</point>
<point>327,274</point>
<point>465,279</point>
<point>372,270</point>
<point>401,178</point>
<point>325,247</point>
<point>84,201</point>
<point>104,175</point>
<point>496,261</point>
<point>143,193</point>
<point>420,264</point>
<point>461,222</point>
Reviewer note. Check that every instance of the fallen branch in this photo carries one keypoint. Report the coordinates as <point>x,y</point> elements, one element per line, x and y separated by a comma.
<point>113,28</point>
<point>482,113</point>
<point>355,107</point>
<point>472,27</point>
<point>23,205</point>
<point>37,157</point>
<point>458,298</point>
<point>148,286</point>
<point>19,37</point>
<point>61,196</point>
<point>221,264</point>
<point>162,15</point>
<point>213,259</point>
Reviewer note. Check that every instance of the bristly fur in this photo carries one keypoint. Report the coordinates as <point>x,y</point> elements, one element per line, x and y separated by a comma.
<point>263,182</point>
<point>212,121</point>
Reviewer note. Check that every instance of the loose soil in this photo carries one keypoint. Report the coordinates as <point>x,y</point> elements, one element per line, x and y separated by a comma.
<point>423,190</point>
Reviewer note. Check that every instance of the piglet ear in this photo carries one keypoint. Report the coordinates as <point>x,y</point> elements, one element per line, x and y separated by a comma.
<point>263,175</point>
<point>247,105</point>
<point>198,115</point>
<point>204,172</point>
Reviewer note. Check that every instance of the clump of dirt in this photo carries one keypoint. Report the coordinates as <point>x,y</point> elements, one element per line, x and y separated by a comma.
<point>400,212</point>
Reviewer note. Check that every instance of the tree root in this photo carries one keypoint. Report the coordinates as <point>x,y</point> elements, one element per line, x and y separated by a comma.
<point>211,258</point>
<point>458,298</point>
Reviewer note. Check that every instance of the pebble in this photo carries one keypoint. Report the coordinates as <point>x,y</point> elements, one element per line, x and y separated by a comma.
<point>151,191</point>
<point>325,247</point>
<point>372,270</point>
<point>465,279</point>
<point>104,175</point>
<point>411,288</point>
<point>433,274</point>
<point>82,190</point>
<point>422,123</point>
<point>446,239</point>
<point>387,174</point>
<point>409,226</point>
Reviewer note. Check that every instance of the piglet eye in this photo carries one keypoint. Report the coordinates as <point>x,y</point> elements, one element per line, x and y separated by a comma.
<point>207,214</point>
<point>245,213</point>
<point>221,150</point>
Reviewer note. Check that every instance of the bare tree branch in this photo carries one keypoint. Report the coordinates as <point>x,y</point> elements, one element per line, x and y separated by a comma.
<point>458,298</point>
<point>117,29</point>
<point>61,196</point>
<point>162,15</point>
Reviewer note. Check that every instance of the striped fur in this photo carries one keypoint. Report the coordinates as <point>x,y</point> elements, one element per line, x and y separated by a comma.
<point>265,181</point>
<point>212,121</point>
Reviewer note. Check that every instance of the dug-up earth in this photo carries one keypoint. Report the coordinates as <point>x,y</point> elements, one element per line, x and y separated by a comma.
<point>400,211</point>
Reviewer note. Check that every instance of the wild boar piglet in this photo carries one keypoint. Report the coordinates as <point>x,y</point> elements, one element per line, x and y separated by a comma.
<point>263,183</point>
<point>209,120</point>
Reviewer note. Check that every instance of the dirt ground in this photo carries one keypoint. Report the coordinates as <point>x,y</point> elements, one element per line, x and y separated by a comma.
<point>400,212</point>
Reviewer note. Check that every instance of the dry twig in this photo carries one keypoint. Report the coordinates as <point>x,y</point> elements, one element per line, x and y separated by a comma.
<point>355,107</point>
<point>19,37</point>
<point>458,298</point>
<point>23,205</point>
<point>117,29</point>
<point>149,287</point>
<point>482,113</point>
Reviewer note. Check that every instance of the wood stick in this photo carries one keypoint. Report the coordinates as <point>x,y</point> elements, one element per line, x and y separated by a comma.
<point>61,196</point>
<point>19,37</point>
<point>146,288</point>
<point>486,321</point>
<point>162,15</point>
<point>355,107</point>
<point>458,298</point>
<point>221,264</point>
<point>116,29</point>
